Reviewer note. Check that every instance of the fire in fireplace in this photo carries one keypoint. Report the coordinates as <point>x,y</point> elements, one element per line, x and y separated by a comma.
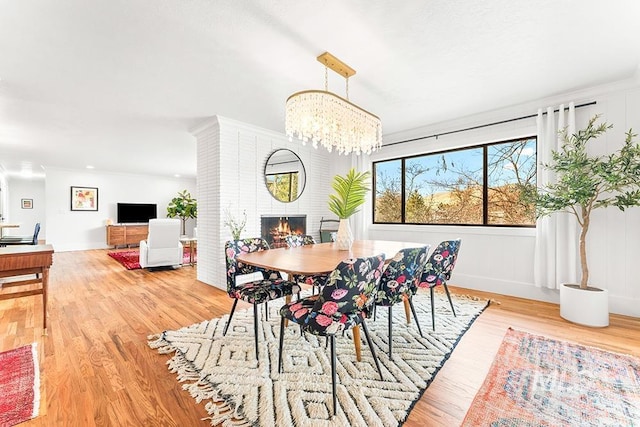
<point>274,228</point>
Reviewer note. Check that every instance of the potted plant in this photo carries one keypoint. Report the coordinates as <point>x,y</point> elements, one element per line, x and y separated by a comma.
<point>350,193</point>
<point>235,226</point>
<point>183,206</point>
<point>585,183</point>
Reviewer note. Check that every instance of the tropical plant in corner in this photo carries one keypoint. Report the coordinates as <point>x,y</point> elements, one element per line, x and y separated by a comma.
<point>350,193</point>
<point>586,182</point>
<point>183,206</point>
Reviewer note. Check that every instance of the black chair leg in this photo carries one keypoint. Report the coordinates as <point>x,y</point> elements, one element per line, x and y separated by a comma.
<point>390,334</point>
<point>415,316</point>
<point>433,312</point>
<point>281,344</point>
<point>370,343</point>
<point>255,326</point>
<point>332,340</point>
<point>450,302</point>
<point>235,302</point>
<point>266,311</point>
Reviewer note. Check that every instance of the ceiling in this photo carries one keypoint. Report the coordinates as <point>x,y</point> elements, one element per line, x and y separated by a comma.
<point>117,84</point>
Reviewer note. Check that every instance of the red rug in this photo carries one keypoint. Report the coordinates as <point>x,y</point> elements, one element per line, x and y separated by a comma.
<point>19,385</point>
<point>537,381</point>
<point>131,259</point>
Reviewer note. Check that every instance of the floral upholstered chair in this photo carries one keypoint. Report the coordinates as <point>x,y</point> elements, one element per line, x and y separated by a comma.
<point>341,305</point>
<point>399,283</point>
<point>269,287</point>
<point>315,280</point>
<point>438,271</point>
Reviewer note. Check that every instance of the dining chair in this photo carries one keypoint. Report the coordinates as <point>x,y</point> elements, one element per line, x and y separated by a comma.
<point>269,287</point>
<point>399,283</point>
<point>314,280</point>
<point>438,271</point>
<point>341,305</point>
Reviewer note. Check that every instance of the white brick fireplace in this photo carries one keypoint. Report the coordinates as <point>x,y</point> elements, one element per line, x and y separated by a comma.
<point>231,160</point>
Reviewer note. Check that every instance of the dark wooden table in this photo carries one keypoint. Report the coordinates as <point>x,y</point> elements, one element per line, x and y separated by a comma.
<point>27,260</point>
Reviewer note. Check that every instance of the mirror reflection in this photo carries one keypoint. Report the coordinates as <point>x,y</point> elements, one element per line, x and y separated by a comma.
<point>284,175</point>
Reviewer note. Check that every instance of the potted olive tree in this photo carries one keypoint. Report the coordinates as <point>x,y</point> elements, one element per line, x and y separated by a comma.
<point>183,206</point>
<point>584,183</point>
<point>350,193</point>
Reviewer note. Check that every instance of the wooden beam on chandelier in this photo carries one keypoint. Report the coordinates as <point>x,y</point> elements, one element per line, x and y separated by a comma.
<point>336,65</point>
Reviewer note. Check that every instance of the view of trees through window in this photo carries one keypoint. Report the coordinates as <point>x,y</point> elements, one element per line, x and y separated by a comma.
<point>283,186</point>
<point>481,185</point>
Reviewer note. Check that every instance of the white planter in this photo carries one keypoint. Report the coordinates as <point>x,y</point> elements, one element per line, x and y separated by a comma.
<point>344,238</point>
<point>585,307</point>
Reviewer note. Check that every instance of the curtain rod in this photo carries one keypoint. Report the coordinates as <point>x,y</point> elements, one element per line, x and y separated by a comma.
<point>436,135</point>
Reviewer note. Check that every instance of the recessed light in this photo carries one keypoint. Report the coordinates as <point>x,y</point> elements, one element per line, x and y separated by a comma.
<point>177,175</point>
<point>90,167</point>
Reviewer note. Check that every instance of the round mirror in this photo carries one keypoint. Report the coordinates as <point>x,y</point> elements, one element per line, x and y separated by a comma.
<point>284,175</point>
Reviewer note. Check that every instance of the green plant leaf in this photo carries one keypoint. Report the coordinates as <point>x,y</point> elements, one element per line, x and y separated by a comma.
<point>350,193</point>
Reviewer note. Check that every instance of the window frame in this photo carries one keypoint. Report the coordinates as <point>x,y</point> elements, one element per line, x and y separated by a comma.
<point>485,185</point>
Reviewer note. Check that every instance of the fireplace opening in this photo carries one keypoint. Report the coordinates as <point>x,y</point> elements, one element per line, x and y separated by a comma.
<point>274,228</point>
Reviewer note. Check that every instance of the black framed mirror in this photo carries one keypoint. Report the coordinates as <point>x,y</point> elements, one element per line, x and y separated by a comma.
<point>284,175</point>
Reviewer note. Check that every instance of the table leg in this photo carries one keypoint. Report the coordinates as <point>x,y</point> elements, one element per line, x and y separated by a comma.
<point>45,284</point>
<point>356,342</point>
<point>407,309</point>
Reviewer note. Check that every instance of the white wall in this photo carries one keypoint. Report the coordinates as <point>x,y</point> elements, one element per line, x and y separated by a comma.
<point>501,259</point>
<point>26,188</point>
<point>78,230</point>
<point>231,160</point>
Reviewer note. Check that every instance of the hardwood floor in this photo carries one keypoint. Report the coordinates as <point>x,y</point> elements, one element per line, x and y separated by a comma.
<point>97,370</point>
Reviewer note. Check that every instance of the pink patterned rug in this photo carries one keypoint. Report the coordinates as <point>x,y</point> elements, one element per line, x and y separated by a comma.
<point>19,385</point>
<point>537,381</point>
<point>131,259</point>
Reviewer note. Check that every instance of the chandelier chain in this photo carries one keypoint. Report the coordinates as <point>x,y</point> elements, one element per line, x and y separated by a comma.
<point>326,78</point>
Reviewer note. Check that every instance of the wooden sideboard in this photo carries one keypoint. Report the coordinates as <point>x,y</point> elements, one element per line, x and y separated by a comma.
<point>126,234</point>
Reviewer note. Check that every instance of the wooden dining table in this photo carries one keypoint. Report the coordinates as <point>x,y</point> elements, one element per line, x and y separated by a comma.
<point>323,258</point>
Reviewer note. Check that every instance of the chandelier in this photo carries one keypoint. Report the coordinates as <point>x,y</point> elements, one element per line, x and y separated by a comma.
<point>323,117</point>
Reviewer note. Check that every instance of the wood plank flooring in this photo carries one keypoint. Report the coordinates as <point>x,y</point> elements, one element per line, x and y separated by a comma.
<point>97,370</point>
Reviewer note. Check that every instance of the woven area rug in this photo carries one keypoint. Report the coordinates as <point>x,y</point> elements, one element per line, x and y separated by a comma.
<point>223,372</point>
<point>19,385</point>
<point>131,259</point>
<point>537,381</point>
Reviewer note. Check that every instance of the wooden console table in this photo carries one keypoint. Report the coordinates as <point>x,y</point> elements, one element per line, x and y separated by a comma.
<point>126,235</point>
<point>23,260</point>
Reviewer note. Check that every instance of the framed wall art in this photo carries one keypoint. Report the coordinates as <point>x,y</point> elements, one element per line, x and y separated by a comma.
<point>27,203</point>
<point>84,199</point>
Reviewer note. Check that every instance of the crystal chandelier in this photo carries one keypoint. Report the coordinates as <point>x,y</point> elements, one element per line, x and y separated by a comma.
<point>323,117</point>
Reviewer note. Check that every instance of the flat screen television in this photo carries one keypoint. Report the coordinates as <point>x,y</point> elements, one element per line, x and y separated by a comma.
<point>136,212</point>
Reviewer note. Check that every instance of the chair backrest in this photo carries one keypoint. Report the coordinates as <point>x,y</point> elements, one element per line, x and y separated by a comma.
<point>232,249</point>
<point>164,233</point>
<point>327,228</point>
<point>36,231</point>
<point>401,275</point>
<point>295,240</point>
<point>440,265</point>
<point>349,291</point>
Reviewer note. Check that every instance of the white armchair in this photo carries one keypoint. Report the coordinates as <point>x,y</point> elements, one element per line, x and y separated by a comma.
<point>163,246</point>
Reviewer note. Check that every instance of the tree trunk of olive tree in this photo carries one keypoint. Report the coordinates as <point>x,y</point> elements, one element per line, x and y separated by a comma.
<point>583,249</point>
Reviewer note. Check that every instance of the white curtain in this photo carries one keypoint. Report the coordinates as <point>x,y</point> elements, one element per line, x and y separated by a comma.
<point>556,249</point>
<point>360,220</point>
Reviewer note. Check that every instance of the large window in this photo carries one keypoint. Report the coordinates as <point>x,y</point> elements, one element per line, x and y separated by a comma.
<point>480,185</point>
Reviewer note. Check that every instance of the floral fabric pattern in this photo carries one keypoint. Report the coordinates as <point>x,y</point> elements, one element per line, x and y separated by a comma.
<point>344,300</point>
<point>271,287</point>
<point>440,264</point>
<point>315,280</point>
<point>401,276</point>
